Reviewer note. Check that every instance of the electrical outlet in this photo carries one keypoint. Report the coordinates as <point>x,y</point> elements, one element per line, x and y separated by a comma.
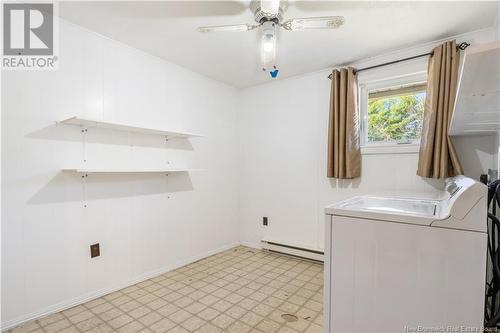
<point>94,250</point>
<point>264,221</point>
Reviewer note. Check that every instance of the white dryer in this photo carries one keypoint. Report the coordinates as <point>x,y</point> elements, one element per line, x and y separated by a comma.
<point>396,264</point>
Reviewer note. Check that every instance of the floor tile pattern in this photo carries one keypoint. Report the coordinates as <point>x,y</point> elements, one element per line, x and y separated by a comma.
<point>236,291</point>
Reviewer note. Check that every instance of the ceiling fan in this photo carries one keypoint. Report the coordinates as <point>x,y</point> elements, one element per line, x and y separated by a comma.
<point>269,16</point>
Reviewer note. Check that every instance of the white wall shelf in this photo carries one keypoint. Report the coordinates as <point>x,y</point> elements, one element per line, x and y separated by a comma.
<point>110,170</point>
<point>89,123</point>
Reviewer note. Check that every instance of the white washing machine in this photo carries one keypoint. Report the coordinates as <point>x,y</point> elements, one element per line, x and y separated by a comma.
<point>396,264</point>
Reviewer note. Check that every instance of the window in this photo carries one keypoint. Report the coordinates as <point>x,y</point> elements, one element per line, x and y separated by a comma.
<point>392,111</point>
<point>395,115</point>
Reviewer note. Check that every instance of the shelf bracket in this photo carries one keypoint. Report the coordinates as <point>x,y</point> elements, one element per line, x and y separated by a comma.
<point>84,144</point>
<point>166,185</point>
<point>84,189</point>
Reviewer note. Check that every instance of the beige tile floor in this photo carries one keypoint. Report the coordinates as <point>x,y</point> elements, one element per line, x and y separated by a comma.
<point>240,290</point>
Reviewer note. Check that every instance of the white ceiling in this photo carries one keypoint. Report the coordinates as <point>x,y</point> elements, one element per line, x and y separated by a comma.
<point>168,30</point>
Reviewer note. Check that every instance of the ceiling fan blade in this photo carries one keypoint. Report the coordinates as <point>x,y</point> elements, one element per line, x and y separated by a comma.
<point>228,28</point>
<point>326,22</point>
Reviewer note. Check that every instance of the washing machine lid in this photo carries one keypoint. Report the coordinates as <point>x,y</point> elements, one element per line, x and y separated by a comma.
<point>452,205</point>
<point>394,209</point>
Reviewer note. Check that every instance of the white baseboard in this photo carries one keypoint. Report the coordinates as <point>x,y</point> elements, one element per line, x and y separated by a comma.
<point>253,245</point>
<point>93,295</point>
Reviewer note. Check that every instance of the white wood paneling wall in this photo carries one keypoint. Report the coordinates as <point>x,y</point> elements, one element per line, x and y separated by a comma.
<point>144,223</point>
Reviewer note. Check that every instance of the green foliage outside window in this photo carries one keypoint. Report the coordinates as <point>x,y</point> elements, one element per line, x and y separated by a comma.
<point>396,118</point>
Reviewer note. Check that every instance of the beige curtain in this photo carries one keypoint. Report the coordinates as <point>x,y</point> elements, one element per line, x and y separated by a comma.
<point>344,157</point>
<point>438,157</point>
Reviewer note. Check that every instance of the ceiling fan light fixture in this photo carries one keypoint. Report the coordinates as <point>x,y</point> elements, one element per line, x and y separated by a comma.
<point>268,45</point>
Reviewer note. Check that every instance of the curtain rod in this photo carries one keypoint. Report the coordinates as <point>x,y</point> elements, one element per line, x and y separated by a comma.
<point>461,46</point>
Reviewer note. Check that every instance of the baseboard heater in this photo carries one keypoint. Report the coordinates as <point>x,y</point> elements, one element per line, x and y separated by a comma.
<point>292,250</point>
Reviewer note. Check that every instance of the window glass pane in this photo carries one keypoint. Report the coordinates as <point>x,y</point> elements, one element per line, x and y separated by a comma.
<point>396,114</point>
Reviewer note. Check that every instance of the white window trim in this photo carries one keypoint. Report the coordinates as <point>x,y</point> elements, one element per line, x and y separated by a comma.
<point>390,148</point>
<point>385,147</point>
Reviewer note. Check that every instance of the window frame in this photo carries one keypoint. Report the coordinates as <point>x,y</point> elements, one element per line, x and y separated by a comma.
<point>392,147</point>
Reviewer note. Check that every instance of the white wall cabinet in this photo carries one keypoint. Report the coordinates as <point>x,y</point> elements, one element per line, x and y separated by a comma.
<point>477,107</point>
